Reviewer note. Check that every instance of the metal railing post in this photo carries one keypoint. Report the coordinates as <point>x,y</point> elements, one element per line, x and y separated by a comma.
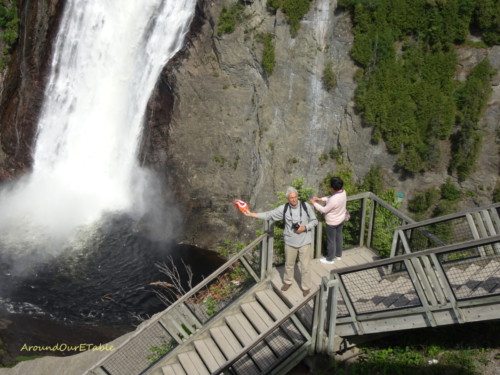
<point>363,223</point>
<point>263,253</point>
<point>323,302</point>
<point>334,294</point>
<point>373,207</point>
<point>270,247</point>
<point>319,238</point>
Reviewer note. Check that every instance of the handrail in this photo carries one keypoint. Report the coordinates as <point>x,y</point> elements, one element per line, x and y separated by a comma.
<point>264,334</point>
<point>434,250</point>
<point>370,195</point>
<point>417,276</point>
<point>266,263</point>
<point>447,217</point>
<point>184,298</point>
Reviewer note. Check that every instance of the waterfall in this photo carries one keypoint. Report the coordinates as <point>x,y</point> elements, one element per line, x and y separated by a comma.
<point>107,58</point>
<point>318,127</point>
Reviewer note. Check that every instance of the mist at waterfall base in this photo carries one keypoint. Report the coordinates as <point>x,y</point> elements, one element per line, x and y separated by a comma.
<point>80,236</point>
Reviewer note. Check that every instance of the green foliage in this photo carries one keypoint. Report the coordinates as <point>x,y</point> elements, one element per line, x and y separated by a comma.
<point>487,19</point>
<point>221,160</point>
<point>450,191</point>
<point>423,201</point>
<point>268,55</point>
<point>496,193</point>
<point>374,180</point>
<point>329,77</point>
<point>274,5</point>
<point>303,191</point>
<point>230,248</point>
<point>211,306</point>
<point>463,350</point>
<point>9,26</point>
<point>472,97</point>
<point>385,224</point>
<point>229,18</point>
<point>159,351</point>
<point>323,158</point>
<point>294,11</point>
<point>336,154</point>
<point>406,85</point>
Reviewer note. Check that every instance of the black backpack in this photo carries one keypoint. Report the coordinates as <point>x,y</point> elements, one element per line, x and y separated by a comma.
<point>303,205</point>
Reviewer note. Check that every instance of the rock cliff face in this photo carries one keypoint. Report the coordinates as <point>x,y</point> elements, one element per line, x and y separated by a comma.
<point>219,128</point>
<point>23,84</point>
<point>235,132</point>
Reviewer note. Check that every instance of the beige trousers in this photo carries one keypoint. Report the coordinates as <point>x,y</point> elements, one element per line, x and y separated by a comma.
<point>304,253</point>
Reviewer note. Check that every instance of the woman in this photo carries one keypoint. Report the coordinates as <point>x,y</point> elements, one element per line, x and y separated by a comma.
<point>335,212</point>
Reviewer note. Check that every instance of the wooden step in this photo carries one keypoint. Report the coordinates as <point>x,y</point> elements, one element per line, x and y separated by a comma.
<point>278,341</point>
<point>209,353</point>
<point>257,316</point>
<point>192,363</point>
<point>273,304</point>
<point>173,369</point>
<point>227,342</point>
<point>242,328</point>
<point>231,347</point>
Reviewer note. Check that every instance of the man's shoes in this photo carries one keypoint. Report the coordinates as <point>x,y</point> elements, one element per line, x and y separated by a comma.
<point>285,287</point>
<point>306,292</point>
<point>326,261</point>
<point>338,258</point>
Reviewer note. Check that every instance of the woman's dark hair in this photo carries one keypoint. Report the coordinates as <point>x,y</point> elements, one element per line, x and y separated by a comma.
<point>336,183</point>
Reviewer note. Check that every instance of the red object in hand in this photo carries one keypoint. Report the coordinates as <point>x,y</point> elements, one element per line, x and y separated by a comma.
<point>242,206</point>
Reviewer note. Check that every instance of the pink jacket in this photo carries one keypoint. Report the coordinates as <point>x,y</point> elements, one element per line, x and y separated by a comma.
<point>334,209</point>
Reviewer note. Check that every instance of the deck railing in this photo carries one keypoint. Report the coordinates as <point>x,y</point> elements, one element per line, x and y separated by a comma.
<point>191,311</point>
<point>468,225</point>
<point>449,277</point>
<point>350,295</point>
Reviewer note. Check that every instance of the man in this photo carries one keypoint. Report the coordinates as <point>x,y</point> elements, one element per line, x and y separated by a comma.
<point>300,219</point>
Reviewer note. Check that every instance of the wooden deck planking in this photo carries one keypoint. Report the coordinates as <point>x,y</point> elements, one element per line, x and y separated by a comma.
<point>174,369</point>
<point>226,341</point>
<point>192,363</point>
<point>257,316</point>
<point>272,303</point>
<point>210,353</point>
<point>242,329</point>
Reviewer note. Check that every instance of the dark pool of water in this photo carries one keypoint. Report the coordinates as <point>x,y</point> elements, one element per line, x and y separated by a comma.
<point>97,292</point>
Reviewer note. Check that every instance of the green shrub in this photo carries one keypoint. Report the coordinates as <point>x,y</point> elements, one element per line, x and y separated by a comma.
<point>268,56</point>
<point>496,193</point>
<point>329,77</point>
<point>374,180</point>
<point>229,18</point>
<point>159,351</point>
<point>471,99</point>
<point>423,201</point>
<point>9,25</point>
<point>450,191</point>
<point>294,11</point>
<point>487,19</point>
<point>406,85</point>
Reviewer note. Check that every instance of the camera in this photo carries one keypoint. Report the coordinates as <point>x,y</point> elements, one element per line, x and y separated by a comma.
<point>295,226</point>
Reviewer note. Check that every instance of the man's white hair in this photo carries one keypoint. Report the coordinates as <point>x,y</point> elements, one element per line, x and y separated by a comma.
<point>290,190</point>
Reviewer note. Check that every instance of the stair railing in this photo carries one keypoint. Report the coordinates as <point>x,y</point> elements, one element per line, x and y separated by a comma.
<point>131,356</point>
<point>428,283</point>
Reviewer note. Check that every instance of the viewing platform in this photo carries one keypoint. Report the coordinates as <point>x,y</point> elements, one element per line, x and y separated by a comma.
<point>395,274</point>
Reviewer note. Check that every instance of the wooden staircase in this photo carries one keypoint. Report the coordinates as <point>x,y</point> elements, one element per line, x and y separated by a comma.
<point>234,341</point>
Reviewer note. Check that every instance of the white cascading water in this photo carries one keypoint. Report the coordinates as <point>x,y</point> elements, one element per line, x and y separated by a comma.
<point>108,56</point>
<point>319,126</point>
